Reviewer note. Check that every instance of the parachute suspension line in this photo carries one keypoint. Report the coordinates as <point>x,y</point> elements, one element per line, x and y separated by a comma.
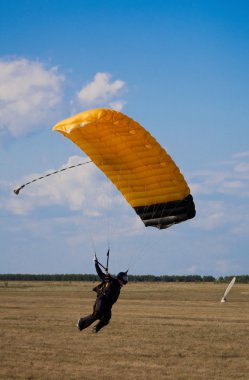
<point>140,245</point>
<point>107,227</point>
<point>107,231</point>
<point>17,190</point>
<point>93,245</point>
<point>148,242</point>
<point>107,256</point>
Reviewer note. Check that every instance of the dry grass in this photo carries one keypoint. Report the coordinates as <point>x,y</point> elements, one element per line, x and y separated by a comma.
<point>158,331</point>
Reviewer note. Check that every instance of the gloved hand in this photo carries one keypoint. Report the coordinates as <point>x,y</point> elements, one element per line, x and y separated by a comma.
<point>95,258</point>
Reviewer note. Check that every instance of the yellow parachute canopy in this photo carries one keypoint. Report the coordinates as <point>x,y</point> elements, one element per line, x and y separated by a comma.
<point>135,162</point>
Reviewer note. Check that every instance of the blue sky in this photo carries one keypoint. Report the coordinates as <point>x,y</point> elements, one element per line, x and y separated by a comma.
<point>179,68</point>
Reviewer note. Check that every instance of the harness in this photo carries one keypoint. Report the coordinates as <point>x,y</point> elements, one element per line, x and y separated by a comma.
<point>101,288</point>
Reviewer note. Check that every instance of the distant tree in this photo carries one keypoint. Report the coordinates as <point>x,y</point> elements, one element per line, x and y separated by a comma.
<point>132,278</point>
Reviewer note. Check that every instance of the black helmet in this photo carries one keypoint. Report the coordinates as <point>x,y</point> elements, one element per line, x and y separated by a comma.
<point>123,277</point>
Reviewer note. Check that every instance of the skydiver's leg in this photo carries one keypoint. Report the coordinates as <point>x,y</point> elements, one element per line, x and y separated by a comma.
<point>84,322</point>
<point>104,320</point>
<point>98,310</point>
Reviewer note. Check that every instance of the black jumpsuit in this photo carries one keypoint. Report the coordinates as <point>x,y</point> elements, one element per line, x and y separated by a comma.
<point>107,294</point>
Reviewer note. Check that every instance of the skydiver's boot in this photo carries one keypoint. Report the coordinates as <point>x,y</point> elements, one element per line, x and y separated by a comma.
<point>79,325</point>
<point>95,330</point>
<point>103,322</point>
<point>83,323</point>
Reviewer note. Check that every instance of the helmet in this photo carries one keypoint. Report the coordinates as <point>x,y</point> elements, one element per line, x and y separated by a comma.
<point>122,276</point>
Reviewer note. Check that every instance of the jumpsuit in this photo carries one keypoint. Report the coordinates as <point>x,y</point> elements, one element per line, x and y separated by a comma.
<point>107,294</point>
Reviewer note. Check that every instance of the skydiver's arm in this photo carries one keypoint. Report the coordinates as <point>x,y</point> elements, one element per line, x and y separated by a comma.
<point>99,271</point>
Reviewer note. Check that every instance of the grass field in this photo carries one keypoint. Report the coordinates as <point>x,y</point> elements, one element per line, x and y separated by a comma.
<point>174,331</point>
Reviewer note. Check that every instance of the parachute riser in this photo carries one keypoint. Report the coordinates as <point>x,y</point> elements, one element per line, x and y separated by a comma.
<point>105,268</point>
<point>107,262</point>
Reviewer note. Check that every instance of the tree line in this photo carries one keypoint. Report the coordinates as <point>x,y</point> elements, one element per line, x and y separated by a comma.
<point>133,278</point>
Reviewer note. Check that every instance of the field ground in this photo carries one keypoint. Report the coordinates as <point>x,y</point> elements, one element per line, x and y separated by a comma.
<point>176,331</point>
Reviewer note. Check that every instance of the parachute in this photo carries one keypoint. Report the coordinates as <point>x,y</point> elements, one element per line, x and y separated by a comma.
<point>135,162</point>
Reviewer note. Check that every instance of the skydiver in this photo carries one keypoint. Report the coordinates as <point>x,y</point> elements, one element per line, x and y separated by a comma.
<point>107,294</point>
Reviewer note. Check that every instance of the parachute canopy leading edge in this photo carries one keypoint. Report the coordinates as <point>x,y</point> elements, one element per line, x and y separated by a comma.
<point>135,162</point>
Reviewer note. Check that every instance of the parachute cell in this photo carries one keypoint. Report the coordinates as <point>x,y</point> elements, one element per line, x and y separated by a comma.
<point>135,162</point>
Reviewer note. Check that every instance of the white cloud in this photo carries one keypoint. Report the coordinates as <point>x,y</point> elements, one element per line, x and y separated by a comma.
<point>118,105</point>
<point>242,154</point>
<point>85,191</point>
<point>87,201</point>
<point>230,216</point>
<point>242,167</point>
<point>230,178</point>
<point>28,94</point>
<point>102,91</point>
<point>229,181</point>
<point>191,270</point>
<point>18,207</point>
<point>81,189</point>
<point>31,94</point>
<point>211,214</point>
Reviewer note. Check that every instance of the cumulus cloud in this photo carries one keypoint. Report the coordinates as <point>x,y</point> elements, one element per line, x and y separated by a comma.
<point>242,154</point>
<point>82,197</point>
<point>29,93</point>
<point>229,181</point>
<point>102,91</point>
<point>211,214</point>
<point>85,190</point>
<point>118,105</point>
<point>228,178</point>
<point>82,189</point>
